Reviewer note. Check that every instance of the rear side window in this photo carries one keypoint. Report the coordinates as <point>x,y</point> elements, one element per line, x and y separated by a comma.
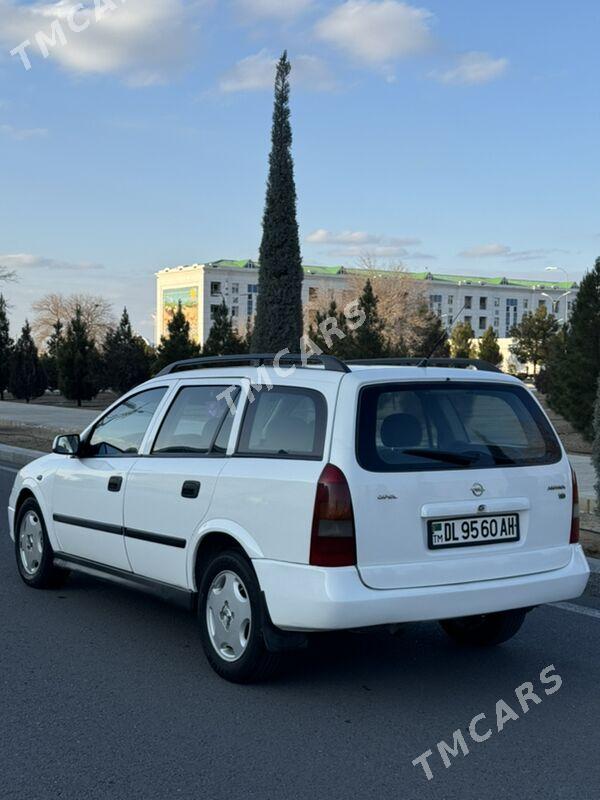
<point>436,426</point>
<point>285,423</point>
<point>194,421</point>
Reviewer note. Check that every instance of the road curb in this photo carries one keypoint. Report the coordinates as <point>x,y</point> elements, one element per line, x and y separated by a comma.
<point>18,456</point>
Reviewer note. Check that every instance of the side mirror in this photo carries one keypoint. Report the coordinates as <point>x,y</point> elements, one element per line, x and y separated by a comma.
<point>67,445</point>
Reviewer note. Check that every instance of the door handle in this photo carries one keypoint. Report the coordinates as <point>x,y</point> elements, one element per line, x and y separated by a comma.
<point>190,489</point>
<point>115,483</point>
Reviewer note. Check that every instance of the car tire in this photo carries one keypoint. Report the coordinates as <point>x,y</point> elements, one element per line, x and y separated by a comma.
<point>485,630</point>
<point>230,616</point>
<point>33,551</point>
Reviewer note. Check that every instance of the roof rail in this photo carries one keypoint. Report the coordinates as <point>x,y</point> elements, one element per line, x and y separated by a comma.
<point>330,363</point>
<point>449,363</point>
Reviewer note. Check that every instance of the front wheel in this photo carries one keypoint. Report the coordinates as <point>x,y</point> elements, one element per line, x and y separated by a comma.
<point>35,559</point>
<point>485,630</point>
<point>230,616</point>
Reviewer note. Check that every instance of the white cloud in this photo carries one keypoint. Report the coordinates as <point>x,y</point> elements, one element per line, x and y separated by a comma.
<point>486,250</point>
<point>473,68</point>
<point>377,31</point>
<point>357,244</point>
<point>257,72</point>
<point>277,9</point>
<point>26,261</point>
<point>504,251</point>
<point>21,134</point>
<point>362,238</point>
<point>143,40</point>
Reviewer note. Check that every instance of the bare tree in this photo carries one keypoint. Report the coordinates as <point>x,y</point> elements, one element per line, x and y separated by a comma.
<point>96,312</point>
<point>7,274</point>
<point>402,300</point>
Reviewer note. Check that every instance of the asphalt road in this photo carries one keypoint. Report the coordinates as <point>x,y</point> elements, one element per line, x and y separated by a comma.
<point>105,693</point>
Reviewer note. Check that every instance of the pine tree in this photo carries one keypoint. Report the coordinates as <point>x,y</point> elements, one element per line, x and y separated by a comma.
<point>368,341</point>
<point>279,308</point>
<point>596,445</point>
<point>6,348</point>
<point>177,345</point>
<point>50,358</point>
<point>222,339</point>
<point>573,373</point>
<point>27,379</point>
<point>79,365</point>
<point>461,340</point>
<point>127,359</point>
<point>532,337</point>
<point>323,333</point>
<point>430,336</point>
<point>489,349</point>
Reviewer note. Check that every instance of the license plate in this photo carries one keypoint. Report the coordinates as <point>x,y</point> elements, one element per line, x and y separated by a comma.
<point>472,531</point>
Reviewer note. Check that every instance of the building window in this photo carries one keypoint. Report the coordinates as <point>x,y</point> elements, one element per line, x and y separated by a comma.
<point>435,304</point>
<point>482,323</point>
<point>468,320</point>
<point>450,320</point>
<point>450,299</point>
<point>235,311</point>
<point>213,311</point>
<point>235,288</point>
<point>496,302</point>
<point>511,313</point>
<point>483,303</point>
<point>541,303</point>
<point>468,301</point>
<point>215,287</point>
<point>253,288</point>
<point>525,304</point>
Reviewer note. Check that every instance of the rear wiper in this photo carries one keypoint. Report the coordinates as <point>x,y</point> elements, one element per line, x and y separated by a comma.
<point>441,455</point>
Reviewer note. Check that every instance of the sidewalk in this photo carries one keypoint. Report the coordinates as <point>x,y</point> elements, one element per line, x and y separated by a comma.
<point>46,416</point>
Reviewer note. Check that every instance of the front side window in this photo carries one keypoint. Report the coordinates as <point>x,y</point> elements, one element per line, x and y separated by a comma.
<point>417,427</point>
<point>285,423</point>
<point>121,431</point>
<point>194,422</point>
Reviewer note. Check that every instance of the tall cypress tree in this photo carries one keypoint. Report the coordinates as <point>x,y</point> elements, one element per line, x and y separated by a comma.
<point>489,349</point>
<point>429,336</point>
<point>177,345</point>
<point>279,321</point>
<point>27,378</point>
<point>461,340</point>
<point>126,357</point>
<point>6,347</point>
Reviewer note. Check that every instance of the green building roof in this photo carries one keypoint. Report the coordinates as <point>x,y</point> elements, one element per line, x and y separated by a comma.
<point>419,276</point>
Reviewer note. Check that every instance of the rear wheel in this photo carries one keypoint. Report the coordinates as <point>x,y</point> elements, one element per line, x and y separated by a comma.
<point>485,630</point>
<point>230,616</point>
<point>35,558</point>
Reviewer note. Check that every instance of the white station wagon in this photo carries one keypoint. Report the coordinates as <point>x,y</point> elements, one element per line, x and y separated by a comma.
<point>280,498</point>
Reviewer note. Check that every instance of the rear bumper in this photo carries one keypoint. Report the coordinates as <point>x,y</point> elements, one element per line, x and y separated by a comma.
<point>316,599</point>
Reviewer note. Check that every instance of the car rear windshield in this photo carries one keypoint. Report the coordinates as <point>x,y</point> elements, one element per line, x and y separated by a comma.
<point>451,425</point>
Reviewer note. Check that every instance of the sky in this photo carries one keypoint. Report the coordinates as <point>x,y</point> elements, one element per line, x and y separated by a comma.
<point>457,137</point>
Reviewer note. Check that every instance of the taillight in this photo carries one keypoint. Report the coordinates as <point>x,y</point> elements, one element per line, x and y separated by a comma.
<point>575,515</point>
<point>333,542</point>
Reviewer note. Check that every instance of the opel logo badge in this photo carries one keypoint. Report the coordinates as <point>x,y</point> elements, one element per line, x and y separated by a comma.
<point>477,489</point>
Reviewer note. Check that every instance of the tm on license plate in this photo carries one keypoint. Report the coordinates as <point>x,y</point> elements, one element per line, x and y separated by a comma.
<point>470,531</point>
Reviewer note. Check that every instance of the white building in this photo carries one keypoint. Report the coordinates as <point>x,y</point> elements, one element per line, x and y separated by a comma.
<point>499,302</point>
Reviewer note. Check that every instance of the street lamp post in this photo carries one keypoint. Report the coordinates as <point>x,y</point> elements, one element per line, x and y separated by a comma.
<point>566,294</point>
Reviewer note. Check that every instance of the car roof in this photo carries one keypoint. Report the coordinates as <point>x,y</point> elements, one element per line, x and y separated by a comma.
<point>311,376</point>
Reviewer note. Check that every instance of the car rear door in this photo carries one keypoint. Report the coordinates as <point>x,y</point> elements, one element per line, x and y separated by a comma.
<point>169,491</point>
<point>477,463</point>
